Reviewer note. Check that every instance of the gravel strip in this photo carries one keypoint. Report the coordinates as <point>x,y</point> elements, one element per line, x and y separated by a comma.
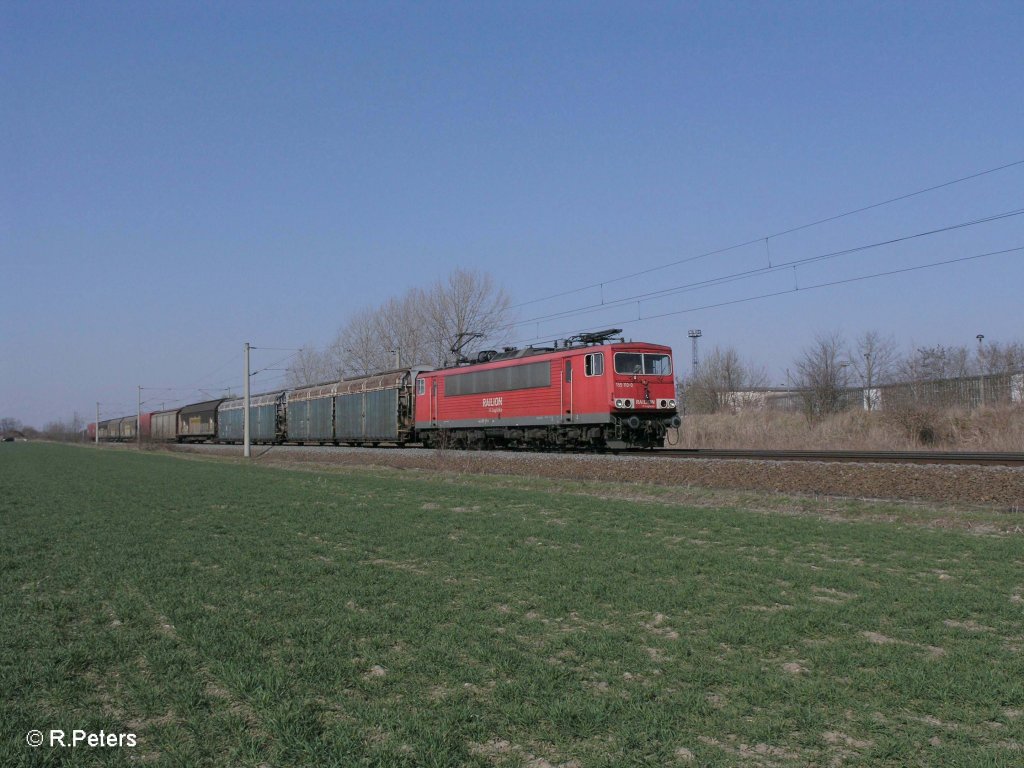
<point>994,486</point>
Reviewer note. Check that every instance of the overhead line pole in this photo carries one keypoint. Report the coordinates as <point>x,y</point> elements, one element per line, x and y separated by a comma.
<point>96,437</point>
<point>138,421</point>
<point>245,409</point>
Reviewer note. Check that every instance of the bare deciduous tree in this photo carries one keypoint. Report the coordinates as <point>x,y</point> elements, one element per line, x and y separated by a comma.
<point>873,358</point>
<point>721,375</point>
<point>418,328</point>
<point>9,424</point>
<point>995,359</point>
<point>822,374</point>
<point>467,303</point>
<point>309,367</point>
<point>66,430</point>
<point>933,363</point>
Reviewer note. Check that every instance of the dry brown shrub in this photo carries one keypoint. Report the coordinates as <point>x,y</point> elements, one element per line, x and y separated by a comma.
<point>999,428</point>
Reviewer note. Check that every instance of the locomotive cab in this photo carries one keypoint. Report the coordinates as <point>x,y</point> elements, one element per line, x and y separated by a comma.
<point>642,394</point>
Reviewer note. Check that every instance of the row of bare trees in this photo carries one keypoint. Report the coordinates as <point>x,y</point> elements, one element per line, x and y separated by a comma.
<point>464,312</point>
<point>66,430</point>
<point>828,368</point>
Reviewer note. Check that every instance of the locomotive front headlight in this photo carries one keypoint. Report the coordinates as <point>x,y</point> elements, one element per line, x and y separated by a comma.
<point>627,403</point>
<point>618,403</point>
<point>671,403</point>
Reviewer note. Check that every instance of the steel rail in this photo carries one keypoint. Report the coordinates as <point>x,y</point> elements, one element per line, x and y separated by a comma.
<point>889,457</point>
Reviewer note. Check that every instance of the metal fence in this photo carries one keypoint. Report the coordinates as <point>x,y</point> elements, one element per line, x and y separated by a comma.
<point>969,392</point>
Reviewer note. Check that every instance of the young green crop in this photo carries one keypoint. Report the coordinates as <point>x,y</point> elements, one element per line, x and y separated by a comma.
<point>236,615</point>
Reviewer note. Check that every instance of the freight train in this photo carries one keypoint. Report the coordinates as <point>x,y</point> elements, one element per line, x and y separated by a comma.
<point>587,393</point>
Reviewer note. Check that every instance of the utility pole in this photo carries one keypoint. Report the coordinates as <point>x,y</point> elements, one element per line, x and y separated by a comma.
<point>398,358</point>
<point>868,372</point>
<point>981,369</point>
<point>245,411</point>
<point>842,382</point>
<point>96,437</point>
<point>138,421</point>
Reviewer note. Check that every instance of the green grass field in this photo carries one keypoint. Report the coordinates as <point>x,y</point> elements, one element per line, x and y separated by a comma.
<point>233,615</point>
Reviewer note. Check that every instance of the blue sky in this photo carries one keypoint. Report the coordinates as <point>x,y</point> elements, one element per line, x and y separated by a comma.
<point>179,178</point>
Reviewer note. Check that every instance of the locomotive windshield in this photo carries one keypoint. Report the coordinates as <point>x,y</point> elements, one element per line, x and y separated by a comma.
<point>647,364</point>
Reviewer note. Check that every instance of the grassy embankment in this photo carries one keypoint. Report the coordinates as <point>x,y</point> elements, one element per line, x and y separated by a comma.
<point>950,429</point>
<point>232,615</point>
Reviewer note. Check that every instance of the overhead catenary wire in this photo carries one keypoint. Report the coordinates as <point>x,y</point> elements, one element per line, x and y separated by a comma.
<point>798,289</point>
<point>224,385</point>
<point>774,267</point>
<point>756,272</point>
<point>766,238</point>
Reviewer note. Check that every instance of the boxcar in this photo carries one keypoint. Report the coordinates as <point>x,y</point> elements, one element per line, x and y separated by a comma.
<point>163,425</point>
<point>310,414</point>
<point>266,419</point>
<point>376,409</point>
<point>198,422</point>
<point>365,409</point>
<point>117,430</point>
<point>108,429</point>
<point>126,427</point>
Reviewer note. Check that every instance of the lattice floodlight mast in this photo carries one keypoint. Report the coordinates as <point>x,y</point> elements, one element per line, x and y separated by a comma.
<point>694,334</point>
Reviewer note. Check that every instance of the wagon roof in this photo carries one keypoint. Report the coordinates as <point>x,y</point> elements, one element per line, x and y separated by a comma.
<point>369,383</point>
<point>208,405</point>
<point>264,398</point>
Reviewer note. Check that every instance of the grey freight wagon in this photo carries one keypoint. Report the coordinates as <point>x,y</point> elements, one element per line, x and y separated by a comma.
<point>367,409</point>
<point>266,419</point>
<point>163,425</point>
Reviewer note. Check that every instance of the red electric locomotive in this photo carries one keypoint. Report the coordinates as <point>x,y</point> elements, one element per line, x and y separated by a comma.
<point>591,393</point>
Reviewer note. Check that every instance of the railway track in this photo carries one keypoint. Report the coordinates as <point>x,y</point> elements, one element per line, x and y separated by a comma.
<point>862,457</point>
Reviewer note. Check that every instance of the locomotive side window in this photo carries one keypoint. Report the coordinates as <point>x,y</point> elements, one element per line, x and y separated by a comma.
<point>421,386</point>
<point>568,371</point>
<point>593,365</point>
<point>636,363</point>
<point>528,376</point>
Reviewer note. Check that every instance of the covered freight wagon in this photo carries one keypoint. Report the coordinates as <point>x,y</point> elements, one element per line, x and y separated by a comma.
<point>198,422</point>
<point>365,409</point>
<point>266,419</point>
<point>310,414</point>
<point>376,409</point>
<point>119,429</point>
<point>145,425</point>
<point>126,427</point>
<point>163,425</point>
